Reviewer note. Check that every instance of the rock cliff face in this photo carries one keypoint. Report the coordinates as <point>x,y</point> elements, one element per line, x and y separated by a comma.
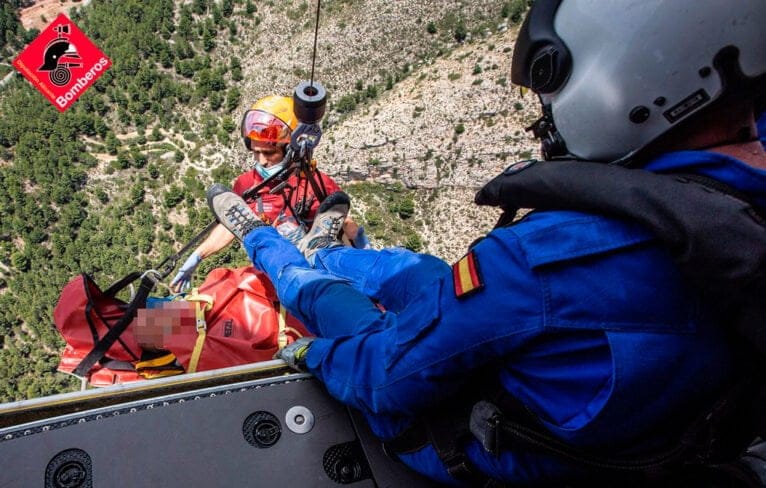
<point>452,122</point>
<point>419,94</point>
<point>450,126</point>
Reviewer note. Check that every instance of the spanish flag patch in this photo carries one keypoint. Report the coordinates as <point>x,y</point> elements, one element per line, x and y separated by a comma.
<point>466,276</point>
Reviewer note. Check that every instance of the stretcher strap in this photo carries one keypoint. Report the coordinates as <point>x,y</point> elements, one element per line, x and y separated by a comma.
<point>158,362</point>
<point>103,345</point>
<point>158,366</point>
<point>151,374</point>
<point>282,334</point>
<point>200,324</point>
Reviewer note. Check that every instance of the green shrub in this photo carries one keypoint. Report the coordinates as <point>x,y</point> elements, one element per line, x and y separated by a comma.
<point>461,32</point>
<point>346,104</point>
<point>20,261</point>
<point>514,10</point>
<point>413,242</point>
<point>173,196</point>
<point>373,218</point>
<point>406,208</point>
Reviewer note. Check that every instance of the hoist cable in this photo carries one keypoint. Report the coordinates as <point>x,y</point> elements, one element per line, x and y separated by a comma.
<point>314,54</point>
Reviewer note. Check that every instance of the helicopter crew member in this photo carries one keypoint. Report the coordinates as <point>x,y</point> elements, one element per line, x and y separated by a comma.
<point>583,321</point>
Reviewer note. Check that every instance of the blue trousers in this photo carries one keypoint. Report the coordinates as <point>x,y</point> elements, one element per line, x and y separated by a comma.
<point>392,277</point>
<point>362,352</point>
<point>335,301</point>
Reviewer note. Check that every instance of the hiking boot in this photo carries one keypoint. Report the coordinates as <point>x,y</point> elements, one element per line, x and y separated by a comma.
<point>232,211</point>
<point>328,225</point>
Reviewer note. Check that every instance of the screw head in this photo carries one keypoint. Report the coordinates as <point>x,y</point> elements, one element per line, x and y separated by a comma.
<point>639,114</point>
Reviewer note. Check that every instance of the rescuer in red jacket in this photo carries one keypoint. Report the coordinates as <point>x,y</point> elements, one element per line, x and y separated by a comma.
<point>266,129</point>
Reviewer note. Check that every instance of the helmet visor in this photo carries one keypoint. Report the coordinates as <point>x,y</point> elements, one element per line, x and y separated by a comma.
<point>261,126</point>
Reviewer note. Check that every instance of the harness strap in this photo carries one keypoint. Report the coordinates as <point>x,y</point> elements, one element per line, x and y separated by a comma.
<point>98,352</point>
<point>446,433</point>
<point>201,324</point>
<point>158,364</point>
<point>282,333</point>
<point>496,432</point>
<point>716,436</point>
<point>91,309</point>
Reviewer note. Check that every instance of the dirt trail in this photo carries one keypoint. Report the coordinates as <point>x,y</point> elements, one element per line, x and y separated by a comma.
<point>6,78</point>
<point>42,13</point>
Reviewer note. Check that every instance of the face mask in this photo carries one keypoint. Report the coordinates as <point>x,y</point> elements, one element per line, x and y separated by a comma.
<point>267,172</point>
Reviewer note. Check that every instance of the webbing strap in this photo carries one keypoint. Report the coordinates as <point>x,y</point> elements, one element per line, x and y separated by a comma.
<point>282,334</point>
<point>98,352</point>
<point>91,309</point>
<point>169,263</point>
<point>446,432</point>
<point>151,374</point>
<point>201,324</point>
<point>201,335</point>
<point>158,362</point>
<point>507,434</point>
<point>155,364</point>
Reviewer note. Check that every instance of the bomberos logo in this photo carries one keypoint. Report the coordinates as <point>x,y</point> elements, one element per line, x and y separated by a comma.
<point>62,62</point>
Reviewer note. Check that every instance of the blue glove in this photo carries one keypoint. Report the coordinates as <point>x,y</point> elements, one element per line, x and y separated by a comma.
<point>361,241</point>
<point>183,278</point>
<point>294,354</point>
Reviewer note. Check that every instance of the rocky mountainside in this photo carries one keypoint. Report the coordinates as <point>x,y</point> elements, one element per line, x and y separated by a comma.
<point>443,116</point>
<point>419,94</point>
<point>421,113</point>
<point>450,126</point>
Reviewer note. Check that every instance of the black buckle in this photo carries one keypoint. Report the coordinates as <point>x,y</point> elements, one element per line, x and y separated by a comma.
<point>459,467</point>
<point>485,425</point>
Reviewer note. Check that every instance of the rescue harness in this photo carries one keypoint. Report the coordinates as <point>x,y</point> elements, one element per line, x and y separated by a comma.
<point>718,239</point>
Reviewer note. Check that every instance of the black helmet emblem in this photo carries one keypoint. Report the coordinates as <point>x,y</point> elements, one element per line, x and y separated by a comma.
<point>58,56</point>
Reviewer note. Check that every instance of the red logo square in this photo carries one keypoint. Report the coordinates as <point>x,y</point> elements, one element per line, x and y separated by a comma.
<point>62,62</point>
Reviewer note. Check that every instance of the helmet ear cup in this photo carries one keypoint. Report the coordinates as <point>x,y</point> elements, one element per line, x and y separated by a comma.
<point>549,69</point>
<point>541,60</point>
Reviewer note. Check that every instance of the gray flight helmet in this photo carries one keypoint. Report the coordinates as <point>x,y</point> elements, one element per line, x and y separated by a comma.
<point>614,75</point>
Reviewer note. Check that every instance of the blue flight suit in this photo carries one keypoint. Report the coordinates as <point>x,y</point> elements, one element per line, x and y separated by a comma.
<point>585,317</point>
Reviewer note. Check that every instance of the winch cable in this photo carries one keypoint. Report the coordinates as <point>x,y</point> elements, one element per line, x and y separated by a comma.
<point>322,193</point>
<point>314,53</point>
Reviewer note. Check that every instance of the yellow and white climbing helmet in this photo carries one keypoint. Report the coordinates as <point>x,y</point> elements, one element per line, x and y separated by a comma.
<point>271,120</point>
